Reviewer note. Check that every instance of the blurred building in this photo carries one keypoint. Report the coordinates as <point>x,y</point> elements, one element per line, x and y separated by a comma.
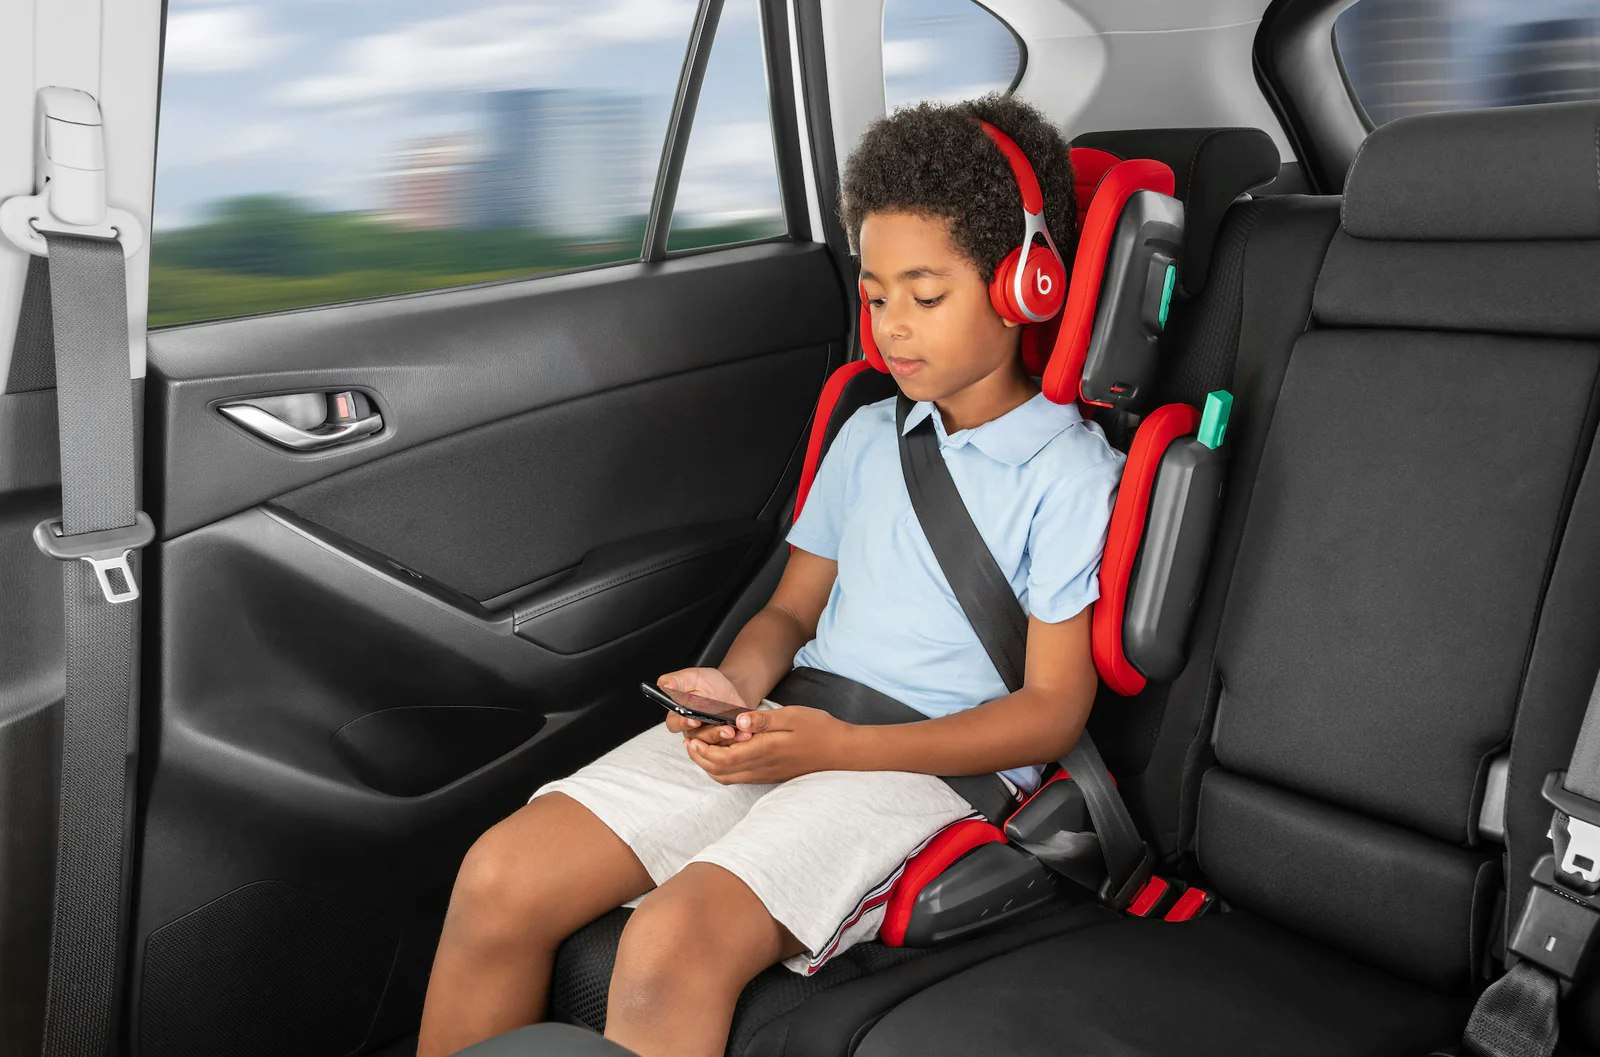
<point>560,161</point>
<point>1405,57</point>
<point>1413,56</point>
<point>1548,61</point>
<point>427,179</point>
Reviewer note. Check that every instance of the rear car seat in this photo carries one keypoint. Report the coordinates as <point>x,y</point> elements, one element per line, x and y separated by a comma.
<point>1401,539</point>
<point>583,969</point>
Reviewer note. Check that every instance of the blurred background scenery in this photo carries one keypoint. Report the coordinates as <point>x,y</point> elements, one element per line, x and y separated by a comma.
<point>314,152</point>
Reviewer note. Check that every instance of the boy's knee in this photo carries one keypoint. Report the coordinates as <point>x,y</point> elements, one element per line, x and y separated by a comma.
<point>673,950</point>
<point>496,897</point>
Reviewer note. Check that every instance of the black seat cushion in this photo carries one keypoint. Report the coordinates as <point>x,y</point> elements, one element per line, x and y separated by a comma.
<point>761,1020</point>
<point>1228,985</point>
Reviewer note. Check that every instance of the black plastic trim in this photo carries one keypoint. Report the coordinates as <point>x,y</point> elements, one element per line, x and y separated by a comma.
<point>781,103</point>
<point>679,127</point>
<point>1296,65</point>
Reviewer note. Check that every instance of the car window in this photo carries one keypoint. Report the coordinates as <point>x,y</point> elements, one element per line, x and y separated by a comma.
<point>945,50</point>
<point>728,190</point>
<point>1406,57</point>
<point>313,153</point>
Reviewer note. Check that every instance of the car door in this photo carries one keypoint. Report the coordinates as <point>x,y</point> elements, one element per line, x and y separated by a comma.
<point>444,459</point>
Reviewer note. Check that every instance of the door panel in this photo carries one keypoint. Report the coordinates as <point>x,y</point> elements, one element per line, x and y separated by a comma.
<point>364,657</point>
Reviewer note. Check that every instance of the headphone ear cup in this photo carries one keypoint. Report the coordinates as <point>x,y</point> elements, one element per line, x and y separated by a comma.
<point>1044,284</point>
<point>864,327</point>
<point>1000,289</point>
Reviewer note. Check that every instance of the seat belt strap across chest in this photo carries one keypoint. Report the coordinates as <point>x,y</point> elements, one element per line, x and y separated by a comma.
<point>985,596</point>
<point>73,334</point>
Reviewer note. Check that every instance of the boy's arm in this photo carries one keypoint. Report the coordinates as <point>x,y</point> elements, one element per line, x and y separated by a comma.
<point>1038,724</point>
<point>764,649</point>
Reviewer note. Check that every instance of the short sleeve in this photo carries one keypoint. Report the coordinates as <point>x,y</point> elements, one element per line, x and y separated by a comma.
<point>1067,540</point>
<point>821,520</point>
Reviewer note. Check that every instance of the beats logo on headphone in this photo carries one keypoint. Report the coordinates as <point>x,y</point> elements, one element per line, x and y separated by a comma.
<point>1030,284</point>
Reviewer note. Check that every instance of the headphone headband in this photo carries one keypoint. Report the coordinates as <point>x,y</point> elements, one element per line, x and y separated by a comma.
<point>1027,182</point>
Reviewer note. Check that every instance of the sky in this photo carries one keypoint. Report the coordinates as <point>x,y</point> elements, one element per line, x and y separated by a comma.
<point>308,97</point>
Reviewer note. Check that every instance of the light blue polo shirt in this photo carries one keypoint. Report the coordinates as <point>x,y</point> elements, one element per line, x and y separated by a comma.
<point>1039,481</point>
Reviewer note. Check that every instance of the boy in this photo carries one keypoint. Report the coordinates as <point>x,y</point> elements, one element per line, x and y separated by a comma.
<point>770,842</point>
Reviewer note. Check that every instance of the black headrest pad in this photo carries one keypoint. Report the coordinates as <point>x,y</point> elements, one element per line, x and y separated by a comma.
<point>1513,173</point>
<point>1213,166</point>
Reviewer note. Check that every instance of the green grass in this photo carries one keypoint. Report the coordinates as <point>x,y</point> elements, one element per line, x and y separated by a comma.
<point>186,295</point>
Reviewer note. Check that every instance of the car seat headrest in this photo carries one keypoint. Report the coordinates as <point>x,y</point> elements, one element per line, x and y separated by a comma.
<point>1103,349</point>
<point>1508,174</point>
<point>1212,167</point>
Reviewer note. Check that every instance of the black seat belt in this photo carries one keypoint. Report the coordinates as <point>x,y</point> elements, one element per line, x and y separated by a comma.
<point>77,317</point>
<point>859,703</point>
<point>980,586</point>
<point>1516,1016</point>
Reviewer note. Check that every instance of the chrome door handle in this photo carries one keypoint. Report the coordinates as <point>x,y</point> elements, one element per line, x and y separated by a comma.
<point>265,424</point>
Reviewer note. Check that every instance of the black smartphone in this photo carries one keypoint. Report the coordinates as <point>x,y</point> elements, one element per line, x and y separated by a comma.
<point>693,706</point>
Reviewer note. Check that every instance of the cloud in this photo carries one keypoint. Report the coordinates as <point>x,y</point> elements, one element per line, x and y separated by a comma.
<point>220,40</point>
<point>729,172</point>
<point>496,46</point>
<point>905,58</point>
<point>258,139</point>
<point>731,144</point>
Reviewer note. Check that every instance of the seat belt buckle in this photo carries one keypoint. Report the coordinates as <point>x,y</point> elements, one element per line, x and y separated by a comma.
<point>1582,855</point>
<point>1119,893</point>
<point>106,551</point>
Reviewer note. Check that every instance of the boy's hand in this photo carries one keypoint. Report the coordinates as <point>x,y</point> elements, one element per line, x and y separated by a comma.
<point>706,682</point>
<point>795,740</point>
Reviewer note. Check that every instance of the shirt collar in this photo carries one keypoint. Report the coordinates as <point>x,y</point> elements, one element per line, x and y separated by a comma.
<point>1013,438</point>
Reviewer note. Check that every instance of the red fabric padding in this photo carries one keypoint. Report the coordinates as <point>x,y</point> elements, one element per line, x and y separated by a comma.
<point>950,844</point>
<point>1151,894</point>
<point>1156,433</point>
<point>1188,905</point>
<point>1089,165</point>
<point>1063,378</point>
<point>831,392</point>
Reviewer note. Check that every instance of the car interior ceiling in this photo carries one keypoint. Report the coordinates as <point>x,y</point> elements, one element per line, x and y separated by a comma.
<point>355,659</point>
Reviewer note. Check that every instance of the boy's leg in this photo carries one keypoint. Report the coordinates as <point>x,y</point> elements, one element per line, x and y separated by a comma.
<point>686,954</point>
<point>526,885</point>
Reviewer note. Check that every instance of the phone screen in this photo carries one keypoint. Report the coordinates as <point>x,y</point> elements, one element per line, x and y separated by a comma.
<point>703,707</point>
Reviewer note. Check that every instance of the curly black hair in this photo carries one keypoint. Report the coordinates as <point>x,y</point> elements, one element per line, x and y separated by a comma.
<point>934,160</point>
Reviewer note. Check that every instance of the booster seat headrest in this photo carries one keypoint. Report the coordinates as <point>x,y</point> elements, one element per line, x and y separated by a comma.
<point>1212,167</point>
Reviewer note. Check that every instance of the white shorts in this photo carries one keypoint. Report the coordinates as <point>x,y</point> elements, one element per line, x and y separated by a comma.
<point>820,851</point>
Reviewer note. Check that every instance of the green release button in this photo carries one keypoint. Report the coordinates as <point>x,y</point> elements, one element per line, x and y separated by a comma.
<point>1214,418</point>
<point>1166,294</point>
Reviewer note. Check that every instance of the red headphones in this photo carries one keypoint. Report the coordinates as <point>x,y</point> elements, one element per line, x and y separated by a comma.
<point>1027,289</point>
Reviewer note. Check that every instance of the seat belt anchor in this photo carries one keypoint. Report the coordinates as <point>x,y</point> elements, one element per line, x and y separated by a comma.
<point>69,179</point>
<point>106,551</point>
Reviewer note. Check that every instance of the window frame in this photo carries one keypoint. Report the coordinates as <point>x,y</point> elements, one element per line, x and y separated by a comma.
<point>781,121</point>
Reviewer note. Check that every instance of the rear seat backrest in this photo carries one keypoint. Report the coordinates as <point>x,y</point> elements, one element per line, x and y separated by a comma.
<point>1396,549</point>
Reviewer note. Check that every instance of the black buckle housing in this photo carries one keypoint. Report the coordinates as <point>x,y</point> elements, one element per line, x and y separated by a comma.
<point>1562,912</point>
<point>1557,924</point>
